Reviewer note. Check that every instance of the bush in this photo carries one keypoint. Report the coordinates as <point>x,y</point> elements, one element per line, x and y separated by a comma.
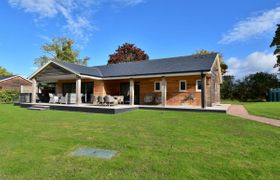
<point>8,96</point>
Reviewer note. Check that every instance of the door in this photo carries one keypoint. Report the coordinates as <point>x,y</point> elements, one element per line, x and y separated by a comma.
<point>124,91</point>
<point>87,92</point>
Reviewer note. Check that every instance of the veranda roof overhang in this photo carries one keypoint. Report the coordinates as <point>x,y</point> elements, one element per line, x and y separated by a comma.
<point>53,71</point>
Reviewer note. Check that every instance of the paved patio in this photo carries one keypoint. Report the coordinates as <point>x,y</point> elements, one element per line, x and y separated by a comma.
<point>218,108</point>
<point>123,108</point>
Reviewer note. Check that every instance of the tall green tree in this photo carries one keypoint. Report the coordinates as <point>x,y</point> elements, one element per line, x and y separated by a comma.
<point>223,65</point>
<point>4,72</point>
<point>276,42</point>
<point>227,88</point>
<point>127,53</point>
<point>60,49</point>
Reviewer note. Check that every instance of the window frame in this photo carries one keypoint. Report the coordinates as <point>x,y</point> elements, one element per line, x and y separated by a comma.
<point>196,85</point>
<point>180,87</point>
<point>155,90</point>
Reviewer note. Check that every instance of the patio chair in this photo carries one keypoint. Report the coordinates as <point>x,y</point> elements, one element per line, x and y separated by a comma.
<point>158,100</point>
<point>71,98</point>
<point>39,97</point>
<point>53,98</point>
<point>63,99</point>
<point>109,100</point>
<point>100,100</point>
<point>149,98</point>
<point>120,99</point>
<point>94,100</point>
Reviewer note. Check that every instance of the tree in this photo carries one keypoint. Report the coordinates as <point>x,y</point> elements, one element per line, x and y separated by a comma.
<point>255,86</point>
<point>127,53</point>
<point>4,72</point>
<point>223,65</point>
<point>276,42</point>
<point>227,88</point>
<point>60,49</point>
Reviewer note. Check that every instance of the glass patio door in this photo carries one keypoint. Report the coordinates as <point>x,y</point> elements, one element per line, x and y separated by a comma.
<point>87,92</point>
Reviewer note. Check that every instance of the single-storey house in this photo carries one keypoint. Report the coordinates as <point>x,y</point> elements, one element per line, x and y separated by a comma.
<point>14,82</point>
<point>179,81</point>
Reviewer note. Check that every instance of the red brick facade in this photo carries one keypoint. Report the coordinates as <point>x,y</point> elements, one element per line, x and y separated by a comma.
<point>175,97</point>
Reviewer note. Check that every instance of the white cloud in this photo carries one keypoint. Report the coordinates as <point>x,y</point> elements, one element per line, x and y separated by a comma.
<point>127,2</point>
<point>44,37</point>
<point>76,21</point>
<point>44,8</point>
<point>253,26</point>
<point>254,62</point>
<point>76,13</point>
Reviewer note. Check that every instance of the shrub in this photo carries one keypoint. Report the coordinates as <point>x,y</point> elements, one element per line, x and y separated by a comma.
<point>8,96</point>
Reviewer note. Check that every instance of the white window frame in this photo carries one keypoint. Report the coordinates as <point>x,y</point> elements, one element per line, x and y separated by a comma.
<point>155,90</point>
<point>196,85</point>
<point>186,86</point>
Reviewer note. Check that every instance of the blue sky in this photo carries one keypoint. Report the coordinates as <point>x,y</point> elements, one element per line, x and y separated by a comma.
<point>239,29</point>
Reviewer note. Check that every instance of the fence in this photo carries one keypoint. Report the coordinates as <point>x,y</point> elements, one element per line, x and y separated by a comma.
<point>25,97</point>
<point>274,95</point>
<point>25,89</point>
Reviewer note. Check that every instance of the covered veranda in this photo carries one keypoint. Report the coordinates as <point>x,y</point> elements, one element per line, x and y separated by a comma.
<point>135,92</point>
<point>65,80</point>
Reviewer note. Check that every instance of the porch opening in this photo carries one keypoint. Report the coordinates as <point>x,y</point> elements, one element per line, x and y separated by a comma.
<point>124,91</point>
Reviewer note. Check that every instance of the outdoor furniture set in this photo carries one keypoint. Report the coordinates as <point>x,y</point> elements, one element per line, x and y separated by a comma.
<point>107,100</point>
<point>152,99</point>
<point>70,98</point>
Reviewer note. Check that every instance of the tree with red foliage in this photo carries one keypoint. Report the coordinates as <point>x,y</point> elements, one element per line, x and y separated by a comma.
<point>127,53</point>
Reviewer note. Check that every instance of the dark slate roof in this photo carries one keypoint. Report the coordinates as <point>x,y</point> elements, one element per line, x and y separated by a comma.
<point>4,77</point>
<point>183,64</point>
<point>160,66</point>
<point>91,71</point>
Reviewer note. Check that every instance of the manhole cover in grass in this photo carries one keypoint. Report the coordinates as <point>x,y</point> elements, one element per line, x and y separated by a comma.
<point>93,152</point>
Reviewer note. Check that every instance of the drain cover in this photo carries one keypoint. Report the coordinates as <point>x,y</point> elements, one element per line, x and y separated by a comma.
<point>93,152</point>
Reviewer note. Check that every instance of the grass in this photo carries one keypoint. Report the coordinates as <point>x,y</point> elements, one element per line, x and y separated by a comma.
<point>265,109</point>
<point>151,145</point>
<point>229,101</point>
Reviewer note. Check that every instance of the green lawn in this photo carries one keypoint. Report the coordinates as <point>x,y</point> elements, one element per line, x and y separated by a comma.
<point>151,145</point>
<point>265,109</point>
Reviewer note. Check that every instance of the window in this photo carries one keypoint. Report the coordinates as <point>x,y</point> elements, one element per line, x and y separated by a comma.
<point>198,85</point>
<point>157,86</point>
<point>182,86</point>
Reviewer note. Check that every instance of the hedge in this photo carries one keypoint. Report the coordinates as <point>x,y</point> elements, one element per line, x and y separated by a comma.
<point>8,96</point>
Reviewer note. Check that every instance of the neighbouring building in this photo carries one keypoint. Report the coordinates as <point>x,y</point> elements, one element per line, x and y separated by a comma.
<point>14,82</point>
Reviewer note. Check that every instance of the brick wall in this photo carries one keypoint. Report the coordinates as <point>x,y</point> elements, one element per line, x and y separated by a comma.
<point>174,96</point>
